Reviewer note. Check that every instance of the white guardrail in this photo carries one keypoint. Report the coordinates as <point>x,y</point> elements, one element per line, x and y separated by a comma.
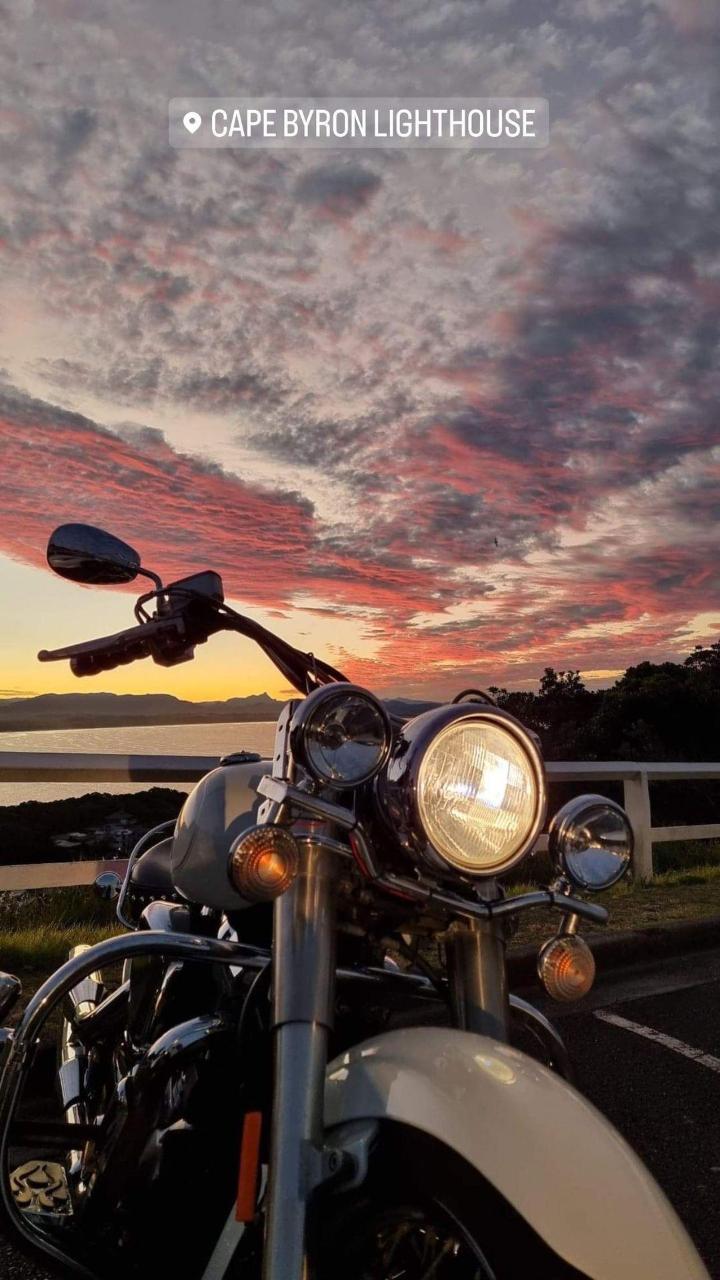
<point>35,766</point>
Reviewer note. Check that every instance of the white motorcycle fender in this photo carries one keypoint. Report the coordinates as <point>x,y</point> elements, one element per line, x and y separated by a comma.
<point>534,1138</point>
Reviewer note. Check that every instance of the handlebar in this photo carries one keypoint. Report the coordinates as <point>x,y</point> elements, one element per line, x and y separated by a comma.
<point>189,618</point>
<point>148,640</point>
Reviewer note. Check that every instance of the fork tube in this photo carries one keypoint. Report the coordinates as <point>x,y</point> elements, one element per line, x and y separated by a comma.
<point>303,1000</point>
<point>478,977</point>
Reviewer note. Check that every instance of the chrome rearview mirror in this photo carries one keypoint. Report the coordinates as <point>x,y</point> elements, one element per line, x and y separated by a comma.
<point>83,553</point>
<point>108,885</point>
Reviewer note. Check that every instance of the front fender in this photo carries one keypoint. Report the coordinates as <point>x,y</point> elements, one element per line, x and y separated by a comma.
<point>531,1135</point>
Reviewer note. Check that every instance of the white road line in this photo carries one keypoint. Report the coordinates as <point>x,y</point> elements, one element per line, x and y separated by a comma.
<point>668,1042</point>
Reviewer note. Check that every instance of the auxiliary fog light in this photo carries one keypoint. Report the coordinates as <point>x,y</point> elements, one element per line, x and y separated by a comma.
<point>341,734</point>
<point>264,862</point>
<point>591,840</point>
<point>566,967</point>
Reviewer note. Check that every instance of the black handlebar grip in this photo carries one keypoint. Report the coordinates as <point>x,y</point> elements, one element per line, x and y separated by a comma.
<point>88,664</point>
<point>115,655</point>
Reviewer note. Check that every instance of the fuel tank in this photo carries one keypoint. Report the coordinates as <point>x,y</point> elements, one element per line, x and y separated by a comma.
<point>222,805</point>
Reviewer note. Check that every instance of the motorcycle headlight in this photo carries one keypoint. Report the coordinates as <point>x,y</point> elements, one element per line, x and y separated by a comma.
<point>341,734</point>
<point>591,840</point>
<point>466,786</point>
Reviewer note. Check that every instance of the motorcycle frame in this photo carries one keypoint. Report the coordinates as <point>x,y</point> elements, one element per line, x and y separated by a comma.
<point>304,976</point>
<point>303,1004</point>
<point>21,1046</point>
<point>304,984</point>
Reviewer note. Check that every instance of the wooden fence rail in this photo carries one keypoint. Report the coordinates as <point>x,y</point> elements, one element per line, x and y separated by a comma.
<point>36,766</point>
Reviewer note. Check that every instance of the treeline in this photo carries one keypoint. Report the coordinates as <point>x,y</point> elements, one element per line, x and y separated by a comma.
<point>27,830</point>
<point>656,711</point>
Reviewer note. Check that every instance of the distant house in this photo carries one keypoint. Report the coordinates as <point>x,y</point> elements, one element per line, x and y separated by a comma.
<point>70,839</point>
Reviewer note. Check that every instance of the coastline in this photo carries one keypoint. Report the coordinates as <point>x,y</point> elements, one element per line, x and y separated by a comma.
<point>41,725</point>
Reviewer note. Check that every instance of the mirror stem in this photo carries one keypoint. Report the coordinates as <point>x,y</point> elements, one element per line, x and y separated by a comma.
<point>154,578</point>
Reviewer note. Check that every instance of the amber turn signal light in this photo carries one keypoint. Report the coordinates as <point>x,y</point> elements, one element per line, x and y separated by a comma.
<point>264,863</point>
<point>566,967</point>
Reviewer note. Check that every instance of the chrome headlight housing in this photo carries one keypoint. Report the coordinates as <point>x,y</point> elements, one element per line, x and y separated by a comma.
<point>465,789</point>
<point>341,735</point>
<point>591,841</point>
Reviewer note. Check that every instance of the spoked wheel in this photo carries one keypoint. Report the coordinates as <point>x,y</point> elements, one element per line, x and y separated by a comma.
<point>415,1244</point>
<point>424,1213</point>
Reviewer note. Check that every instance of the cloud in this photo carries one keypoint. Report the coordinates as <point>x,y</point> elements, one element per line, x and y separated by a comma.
<point>468,400</point>
<point>339,190</point>
<point>181,511</point>
<point>76,128</point>
<point>134,381</point>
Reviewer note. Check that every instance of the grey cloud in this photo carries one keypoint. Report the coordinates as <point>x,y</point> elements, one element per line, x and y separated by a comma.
<point>147,379</point>
<point>343,189</point>
<point>24,410</point>
<point>129,382</point>
<point>77,126</point>
<point>208,280</point>
<point>224,392</point>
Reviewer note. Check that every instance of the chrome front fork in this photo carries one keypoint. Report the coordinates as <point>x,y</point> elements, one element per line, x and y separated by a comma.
<point>302,1014</point>
<point>302,1017</point>
<point>480,1001</point>
<point>478,977</point>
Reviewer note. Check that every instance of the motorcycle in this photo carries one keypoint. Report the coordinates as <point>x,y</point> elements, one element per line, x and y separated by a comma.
<point>308,1063</point>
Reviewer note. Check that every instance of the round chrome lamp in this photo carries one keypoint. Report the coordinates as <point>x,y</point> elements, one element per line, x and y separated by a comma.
<point>341,735</point>
<point>465,788</point>
<point>591,842</point>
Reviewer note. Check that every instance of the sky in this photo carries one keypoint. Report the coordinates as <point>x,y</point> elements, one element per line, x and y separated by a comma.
<point>444,417</point>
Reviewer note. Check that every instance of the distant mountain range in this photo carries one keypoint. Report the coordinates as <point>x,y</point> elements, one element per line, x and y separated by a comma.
<point>104,710</point>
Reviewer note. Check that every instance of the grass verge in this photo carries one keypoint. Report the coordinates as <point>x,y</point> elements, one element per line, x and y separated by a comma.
<point>37,930</point>
<point>43,928</point>
<point>43,948</point>
<point>680,894</point>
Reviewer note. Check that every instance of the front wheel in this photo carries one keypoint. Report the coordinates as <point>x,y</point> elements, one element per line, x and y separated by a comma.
<point>424,1213</point>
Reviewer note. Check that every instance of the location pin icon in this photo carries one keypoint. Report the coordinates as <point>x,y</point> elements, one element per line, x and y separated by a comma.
<point>192,121</point>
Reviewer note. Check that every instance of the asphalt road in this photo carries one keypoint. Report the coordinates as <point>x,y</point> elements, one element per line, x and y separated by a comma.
<point>664,1096</point>
<point>15,1266</point>
<point>665,1103</point>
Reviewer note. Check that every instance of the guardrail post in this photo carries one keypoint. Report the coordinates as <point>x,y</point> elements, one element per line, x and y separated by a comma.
<point>637,807</point>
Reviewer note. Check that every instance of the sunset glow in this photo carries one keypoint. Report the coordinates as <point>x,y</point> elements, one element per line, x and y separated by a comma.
<point>440,417</point>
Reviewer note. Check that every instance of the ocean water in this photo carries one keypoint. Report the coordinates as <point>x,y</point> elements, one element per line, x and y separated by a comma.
<point>158,739</point>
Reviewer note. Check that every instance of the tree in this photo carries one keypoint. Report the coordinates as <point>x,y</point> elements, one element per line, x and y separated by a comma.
<point>705,659</point>
<point>561,684</point>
